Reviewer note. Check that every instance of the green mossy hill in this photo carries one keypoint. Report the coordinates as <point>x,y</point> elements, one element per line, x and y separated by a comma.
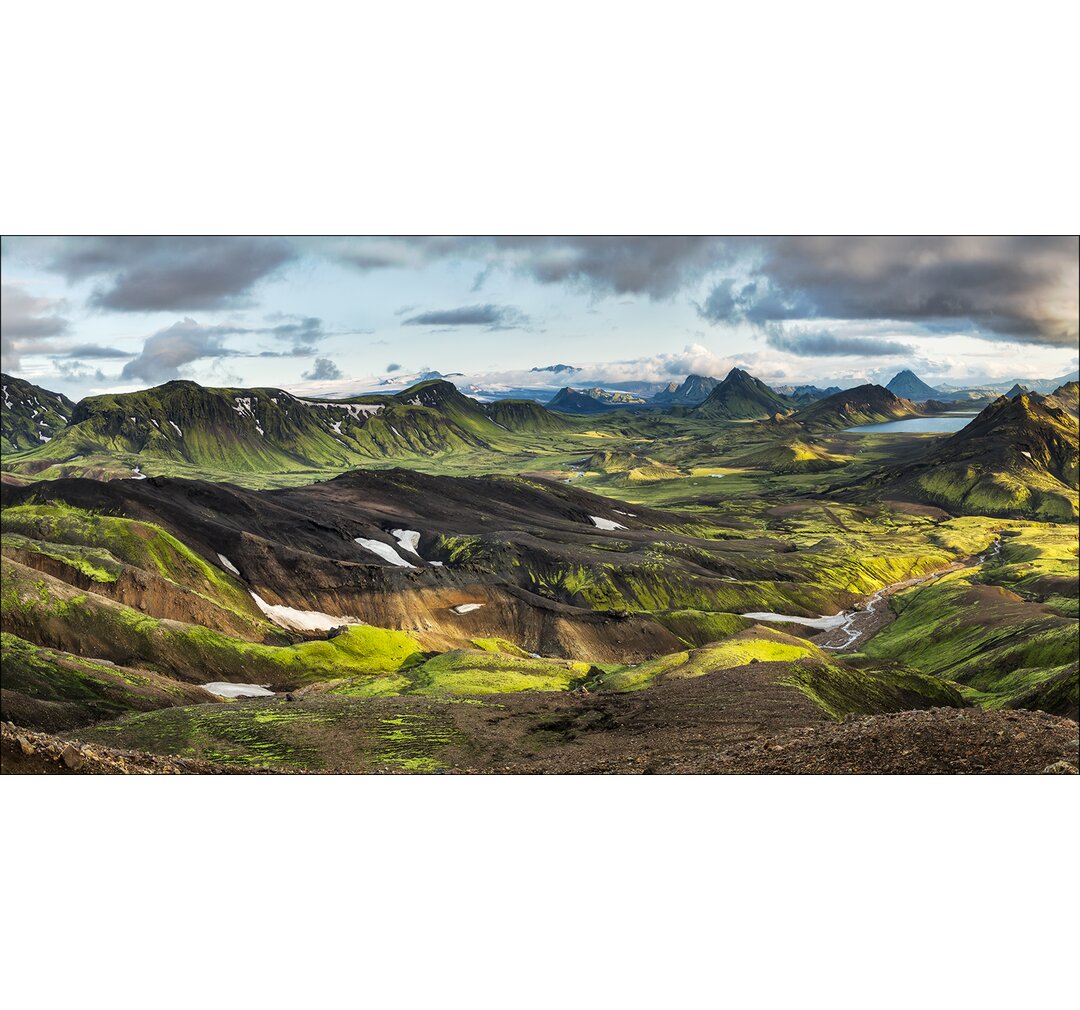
<point>263,430</point>
<point>1018,458</point>
<point>50,613</point>
<point>742,397</point>
<point>466,672</point>
<point>797,455</point>
<point>29,415</point>
<point>837,687</point>
<point>526,416</point>
<point>100,546</point>
<point>629,467</point>
<point>50,690</point>
<point>1039,562</point>
<point>868,404</point>
<point>1005,651</point>
<point>700,627</point>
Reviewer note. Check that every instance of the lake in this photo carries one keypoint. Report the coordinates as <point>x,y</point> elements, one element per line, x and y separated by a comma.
<point>942,422</point>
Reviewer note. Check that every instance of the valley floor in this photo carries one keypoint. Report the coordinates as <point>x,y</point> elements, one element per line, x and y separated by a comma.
<point>581,601</point>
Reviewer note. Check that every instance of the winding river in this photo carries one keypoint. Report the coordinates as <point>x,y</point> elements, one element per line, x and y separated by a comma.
<point>842,632</point>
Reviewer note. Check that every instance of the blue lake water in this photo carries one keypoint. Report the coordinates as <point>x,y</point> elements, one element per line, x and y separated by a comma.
<point>943,422</point>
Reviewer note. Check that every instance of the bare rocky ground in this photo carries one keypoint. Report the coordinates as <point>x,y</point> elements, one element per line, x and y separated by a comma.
<point>734,722</point>
<point>687,735</point>
<point>24,752</point>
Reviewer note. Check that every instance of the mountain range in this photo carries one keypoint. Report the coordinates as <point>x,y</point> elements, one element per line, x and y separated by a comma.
<point>1018,457</point>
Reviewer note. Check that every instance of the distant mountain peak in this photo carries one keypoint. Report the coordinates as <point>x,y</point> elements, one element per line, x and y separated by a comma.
<point>693,389</point>
<point>909,386</point>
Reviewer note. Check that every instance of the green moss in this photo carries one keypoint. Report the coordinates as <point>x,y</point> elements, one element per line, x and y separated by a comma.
<point>841,689</point>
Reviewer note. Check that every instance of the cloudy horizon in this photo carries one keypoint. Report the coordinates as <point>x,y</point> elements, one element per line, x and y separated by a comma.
<point>344,315</point>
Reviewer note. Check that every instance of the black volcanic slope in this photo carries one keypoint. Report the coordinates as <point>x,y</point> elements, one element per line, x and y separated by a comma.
<point>869,404</point>
<point>559,570</point>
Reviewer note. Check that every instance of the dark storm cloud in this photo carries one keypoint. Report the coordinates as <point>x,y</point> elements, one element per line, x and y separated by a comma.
<point>657,266</point>
<point>495,317</point>
<point>148,274</point>
<point>394,367</point>
<point>822,343</point>
<point>1021,288</point>
<point>27,324</point>
<point>323,368</point>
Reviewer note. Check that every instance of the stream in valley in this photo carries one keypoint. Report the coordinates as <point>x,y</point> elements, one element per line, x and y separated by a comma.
<point>844,631</point>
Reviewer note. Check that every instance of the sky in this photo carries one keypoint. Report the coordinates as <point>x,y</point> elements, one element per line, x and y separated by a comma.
<point>333,316</point>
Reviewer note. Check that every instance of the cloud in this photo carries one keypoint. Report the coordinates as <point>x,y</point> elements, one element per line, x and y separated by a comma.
<point>323,368</point>
<point>163,273</point>
<point>394,367</point>
<point>165,352</point>
<point>27,323</point>
<point>1017,288</point>
<point>494,317</point>
<point>94,351</point>
<point>301,331</point>
<point>657,266</point>
<point>822,343</point>
<point>78,371</point>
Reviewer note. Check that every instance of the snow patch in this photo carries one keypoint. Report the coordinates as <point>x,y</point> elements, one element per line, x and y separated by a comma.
<point>228,564</point>
<point>384,551</point>
<point>824,623</point>
<point>465,608</point>
<point>300,620</point>
<point>226,690</point>
<point>408,540</point>
<point>606,524</point>
<point>354,410</point>
<point>137,474</point>
<point>176,428</point>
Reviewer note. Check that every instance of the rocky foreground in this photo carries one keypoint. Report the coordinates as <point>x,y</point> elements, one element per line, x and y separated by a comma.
<point>928,742</point>
<point>24,752</point>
